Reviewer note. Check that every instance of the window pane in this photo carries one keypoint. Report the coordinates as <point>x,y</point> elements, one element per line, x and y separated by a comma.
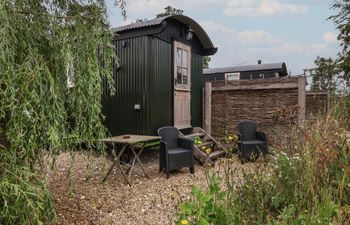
<point>184,58</point>
<point>185,76</point>
<point>179,76</point>
<point>179,58</point>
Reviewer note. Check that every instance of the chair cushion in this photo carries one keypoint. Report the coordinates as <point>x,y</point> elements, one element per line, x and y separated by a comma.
<point>253,142</point>
<point>175,151</point>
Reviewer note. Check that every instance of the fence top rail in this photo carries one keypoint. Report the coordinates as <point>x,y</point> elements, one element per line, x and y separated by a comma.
<point>316,93</point>
<point>273,83</point>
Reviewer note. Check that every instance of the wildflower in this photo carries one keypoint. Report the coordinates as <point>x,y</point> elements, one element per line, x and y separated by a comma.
<point>208,150</point>
<point>231,138</point>
<point>255,177</point>
<point>184,222</point>
<point>198,141</point>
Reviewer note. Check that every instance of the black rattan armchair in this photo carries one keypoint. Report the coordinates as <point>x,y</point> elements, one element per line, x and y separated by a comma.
<point>175,152</point>
<point>251,143</point>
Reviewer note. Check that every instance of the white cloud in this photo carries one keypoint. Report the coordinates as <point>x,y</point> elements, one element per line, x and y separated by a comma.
<point>249,37</point>
<point>247,47</point>
<point>262,8</point>
<point>153,7</point>
<point>147,6</point>
<point>256,37</point>
<point>330,37</point>
<point>218,30</point>
<point>294,49</point>
<point>127,22</point>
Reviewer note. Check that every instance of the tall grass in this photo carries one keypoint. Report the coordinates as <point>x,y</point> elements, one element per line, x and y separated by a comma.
<point>305,181</point>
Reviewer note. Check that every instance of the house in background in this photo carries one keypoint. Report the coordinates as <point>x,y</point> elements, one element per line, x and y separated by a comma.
<point>248,72</point>
<point>159,76</point>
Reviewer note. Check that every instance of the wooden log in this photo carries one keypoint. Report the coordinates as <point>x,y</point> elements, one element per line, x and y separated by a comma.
<point>208,107</point>
<point>302,97</point>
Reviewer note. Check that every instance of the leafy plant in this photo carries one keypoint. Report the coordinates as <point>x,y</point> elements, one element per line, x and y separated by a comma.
<point>24,198</point>
<point>56,58</point>
<point>207,207</point>
<point>306,181</point>
<point>342,21</point>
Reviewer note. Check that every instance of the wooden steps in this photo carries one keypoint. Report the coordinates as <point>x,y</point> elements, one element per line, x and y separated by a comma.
<point>208,143</point>
<point>192,136</point>
<point>213,148</point>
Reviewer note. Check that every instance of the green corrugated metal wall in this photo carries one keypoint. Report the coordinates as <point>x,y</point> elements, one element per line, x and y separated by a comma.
<point>131,88</point>
<point>196,97</point>
<point>161,97</point>
<point>146,78</point>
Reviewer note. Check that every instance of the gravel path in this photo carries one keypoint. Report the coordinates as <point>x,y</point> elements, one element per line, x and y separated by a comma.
<point>80,200</point>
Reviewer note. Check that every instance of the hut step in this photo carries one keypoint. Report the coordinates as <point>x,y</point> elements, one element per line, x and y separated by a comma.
<point>192,136</point>
<point>205,144</point>
<point>216,154</point>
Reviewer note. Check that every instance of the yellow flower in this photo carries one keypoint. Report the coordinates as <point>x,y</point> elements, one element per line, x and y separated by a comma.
<point>208,150</point>
<point>255,177</point>
<point>184,222</point>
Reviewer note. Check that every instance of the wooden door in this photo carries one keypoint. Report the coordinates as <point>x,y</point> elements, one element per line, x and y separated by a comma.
<point>182,85</point>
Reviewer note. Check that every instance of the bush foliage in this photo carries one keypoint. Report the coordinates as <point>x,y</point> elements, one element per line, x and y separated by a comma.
<point>43,43</point>
<point>306,180</point>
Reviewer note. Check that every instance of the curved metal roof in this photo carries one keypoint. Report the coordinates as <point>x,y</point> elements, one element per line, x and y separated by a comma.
<point>198,30</point>
<point>267,66</point>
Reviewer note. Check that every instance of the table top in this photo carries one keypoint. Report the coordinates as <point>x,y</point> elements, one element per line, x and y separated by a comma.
<point>131,139</point>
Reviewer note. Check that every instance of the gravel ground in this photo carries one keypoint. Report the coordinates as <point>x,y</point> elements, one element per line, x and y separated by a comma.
<point>82,200</point>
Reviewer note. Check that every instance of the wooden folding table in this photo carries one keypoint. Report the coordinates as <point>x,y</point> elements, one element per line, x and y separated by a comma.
<point>129,140</point>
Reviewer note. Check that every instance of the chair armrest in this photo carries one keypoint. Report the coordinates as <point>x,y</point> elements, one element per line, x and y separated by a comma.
<point>261,136</point>
<point>163,146</point>
<point>240,137</point>
<point>185,143</point>
<point>240,141</point>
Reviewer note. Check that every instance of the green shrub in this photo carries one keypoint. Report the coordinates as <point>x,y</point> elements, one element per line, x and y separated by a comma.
<point>207,207</point>
<point>24,198</point>
<point>306,181</point>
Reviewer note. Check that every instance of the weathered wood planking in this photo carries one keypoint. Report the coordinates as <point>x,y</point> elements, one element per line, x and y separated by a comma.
<point>252,99</point>
<point>316,102</point>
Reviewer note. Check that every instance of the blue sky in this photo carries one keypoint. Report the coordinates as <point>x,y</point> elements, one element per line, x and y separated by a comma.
<point>291,31</point>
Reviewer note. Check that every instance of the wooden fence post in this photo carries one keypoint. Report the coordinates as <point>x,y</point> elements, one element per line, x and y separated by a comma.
<point>207,125</point>
<point>302,97</point>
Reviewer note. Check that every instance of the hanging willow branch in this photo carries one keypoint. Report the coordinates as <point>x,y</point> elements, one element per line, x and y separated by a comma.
<point>43,43</point>
<point>44,14</point>
<point>38,111</point>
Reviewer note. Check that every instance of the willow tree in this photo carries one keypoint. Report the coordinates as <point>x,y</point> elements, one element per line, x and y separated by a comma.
<point>54,57</point>
<point>342,22</point>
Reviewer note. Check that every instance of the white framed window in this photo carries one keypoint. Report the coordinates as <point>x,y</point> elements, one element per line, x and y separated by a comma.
<point>182,66</point>
<point>232,76</point>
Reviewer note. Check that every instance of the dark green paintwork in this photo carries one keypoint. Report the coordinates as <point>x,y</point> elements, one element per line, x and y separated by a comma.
<point>196,90</point>
<point>161,98</point>
<point>146,78</point>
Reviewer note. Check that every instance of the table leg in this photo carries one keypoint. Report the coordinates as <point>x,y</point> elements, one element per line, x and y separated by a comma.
<point>116,161</point>
<point>133,161</point>
<point>124,175</point>
<point>131,167</point>
<point>138,159</point>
